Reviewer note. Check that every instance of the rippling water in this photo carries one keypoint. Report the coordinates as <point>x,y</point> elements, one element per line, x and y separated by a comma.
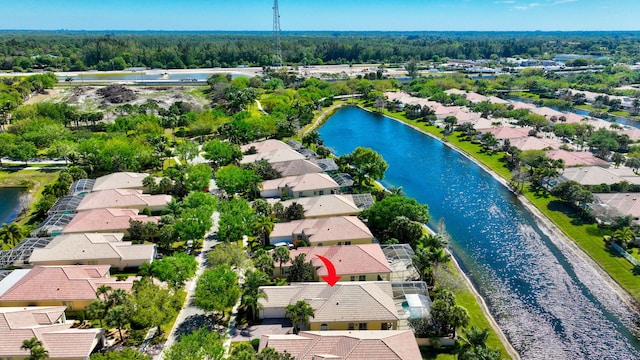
<point>551,306</point>
<point>9,204</point>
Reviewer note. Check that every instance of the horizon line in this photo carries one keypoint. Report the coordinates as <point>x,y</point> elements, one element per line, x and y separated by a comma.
<point>318,31</point>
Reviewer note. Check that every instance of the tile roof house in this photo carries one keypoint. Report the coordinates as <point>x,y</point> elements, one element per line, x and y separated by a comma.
<point>120,180</point>
<point>123,198</point>
<point>507,132</point>
<point>534,143</point>
<point>296,167</point>
<point>576,158</point>
<point>273,156</point>
<point>344,306</point>
<point>265,146</point>
<point>93,249</point>
<point>596,175</point>
<point>299,186</point>
<point>346,345</point>
<point>105,221</point>
<point>619,204</point>
<point>339,230</point>
<point>326,205</point>
<point>49,325</point>
<point>365,262</point>
<point>73,286</point>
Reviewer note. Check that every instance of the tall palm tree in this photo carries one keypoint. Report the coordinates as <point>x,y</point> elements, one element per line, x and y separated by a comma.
<point>624,236</point>
<point>299,313</point>
<point>263,226</point>
<point>11,234</point>
<point>97,310</point>
<point>36,350</point>
<point>281,254</point>
<point>251,303</point>
<point>118,316</point>
<point>103,290</point>
<point>118,297</point>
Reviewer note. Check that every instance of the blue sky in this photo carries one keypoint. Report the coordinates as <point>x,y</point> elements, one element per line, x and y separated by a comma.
<point>448,15</point>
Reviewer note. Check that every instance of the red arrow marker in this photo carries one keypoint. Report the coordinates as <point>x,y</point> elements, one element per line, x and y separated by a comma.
<point>332,278</point>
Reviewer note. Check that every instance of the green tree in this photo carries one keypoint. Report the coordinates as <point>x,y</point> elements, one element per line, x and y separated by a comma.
<point>263,262</point>
<point>217,289</point>
<point>193,224</point>
<point>412,68</point>
<point>118,316</point>
<point>300,271</point>
<point>97,310</point>
<point>221,153</point>
<point>11,234</point>
<point>199,345</point>
<point>236,180</point>
<point>263,226</point>
<point>229,253</point>
<point>299,314</point>
<point>383,213</point>
<point>472,345</point>
<point>368,165</point>
<point>295,211</point>
<point>35,348</point>
<point>198,177</point>
<point>175,269</point>
<point>281,255</point>
<point>152,305</point>
<point>405,230</point>
<point>24,151</point>
<point>187,151</point>
<point>124,354</point>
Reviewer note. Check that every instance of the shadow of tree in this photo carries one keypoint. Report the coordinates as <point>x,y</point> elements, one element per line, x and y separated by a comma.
<point>195,322</point>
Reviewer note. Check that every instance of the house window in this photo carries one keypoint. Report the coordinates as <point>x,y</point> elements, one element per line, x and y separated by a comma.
<point>353,278</point>
<point>362,277</point>
<point>324,327</point>
<point>347,242</point>
<point>362,326</point>
<point>299,194</point>
<point>351,326</point>
<point>319,244</point>
<point>339,242</point>
<point>321,192</point>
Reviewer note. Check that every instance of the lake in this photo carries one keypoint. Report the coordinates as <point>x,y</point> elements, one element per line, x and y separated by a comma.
<point>9,204</point>
<point>550,305</point>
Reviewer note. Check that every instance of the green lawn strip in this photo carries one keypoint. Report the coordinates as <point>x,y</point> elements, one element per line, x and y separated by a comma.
<point>166,328</point>
<point>589,238</point>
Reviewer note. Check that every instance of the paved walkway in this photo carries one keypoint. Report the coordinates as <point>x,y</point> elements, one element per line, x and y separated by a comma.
<point>190,317</point>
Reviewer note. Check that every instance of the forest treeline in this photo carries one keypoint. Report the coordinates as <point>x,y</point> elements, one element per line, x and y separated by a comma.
<point>79,50</point>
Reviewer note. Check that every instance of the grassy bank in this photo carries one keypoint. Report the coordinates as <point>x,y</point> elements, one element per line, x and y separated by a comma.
<point>32,180</point>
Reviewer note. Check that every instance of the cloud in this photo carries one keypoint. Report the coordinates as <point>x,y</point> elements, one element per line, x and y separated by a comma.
<point>560,2</point>
<point>527,6</point>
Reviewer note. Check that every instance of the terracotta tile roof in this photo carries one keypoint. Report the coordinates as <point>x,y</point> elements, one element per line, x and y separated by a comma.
<point>507,132</point>
<point>121,198</point>
<point>314,181</point>
<point>346,345</point>
<point>273,156</point>
<point>94,246</point>
<point>296,167</point>
<point>265,146</point>
<point>522,105</point>
<point>343,302</point>
<point>62,283</point>
<point>21,323</point>
<point>103,220</point>
<point>547,112</point>
<point>347,259</point>
<point>326,205</point>
<point>120,180</point>
<point>340,228</point>
<point>535,143</point>
<point>576,158</point>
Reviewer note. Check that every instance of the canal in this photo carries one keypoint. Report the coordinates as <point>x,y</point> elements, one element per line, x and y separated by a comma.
<point>550,306</point>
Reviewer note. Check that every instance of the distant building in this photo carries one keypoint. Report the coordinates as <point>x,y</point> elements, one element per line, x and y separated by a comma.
<point>105,221</point>
<point>123,198</point>
<point>120,180</point>
<point>306,185</point>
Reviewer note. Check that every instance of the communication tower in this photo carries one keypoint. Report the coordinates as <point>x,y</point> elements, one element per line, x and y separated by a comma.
<point>277,56</point>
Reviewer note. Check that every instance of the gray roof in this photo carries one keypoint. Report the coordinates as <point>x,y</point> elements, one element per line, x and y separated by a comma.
<point>22,251</point>
<point>343,179</point>
<point>363,201</point>
<point>327,164</point>
<point>67,204</point>
<point>53,224</point>
<point>82,185</point>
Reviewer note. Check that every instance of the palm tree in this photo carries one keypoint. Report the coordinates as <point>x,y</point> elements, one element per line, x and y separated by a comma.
<point>118,297</point>
<point>36,350</point>
<point>299,313</point>
<point>97,310</point>
<point>473,345</point>
<point>103,290</point>
<point>117,316</point>
<point>149,183</point>
<point>421,260</point>
<point>11,234</point>
<point>281,254</point>
<point>624,236</point>
<point>263,226</point>
<point>251,303</point>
